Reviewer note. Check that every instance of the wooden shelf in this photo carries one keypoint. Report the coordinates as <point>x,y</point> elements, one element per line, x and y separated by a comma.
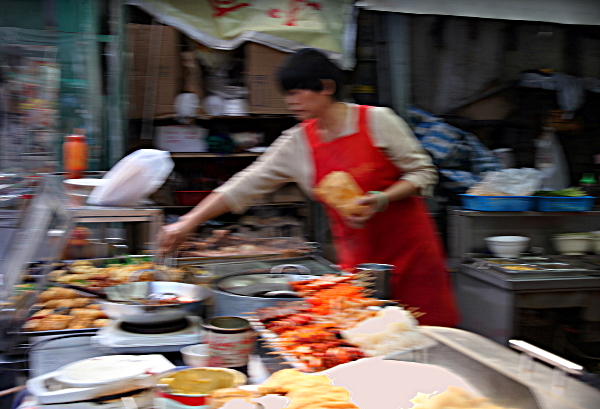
<point>213,155</point>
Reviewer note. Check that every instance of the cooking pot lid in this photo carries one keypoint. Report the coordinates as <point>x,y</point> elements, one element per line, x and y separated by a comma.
<point>261,284</point>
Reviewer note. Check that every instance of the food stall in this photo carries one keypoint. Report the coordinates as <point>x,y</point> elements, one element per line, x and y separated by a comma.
<point>129,319</point>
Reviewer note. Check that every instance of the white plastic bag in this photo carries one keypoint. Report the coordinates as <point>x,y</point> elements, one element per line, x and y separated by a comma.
<point>508,182</point>
<point>134,177</point>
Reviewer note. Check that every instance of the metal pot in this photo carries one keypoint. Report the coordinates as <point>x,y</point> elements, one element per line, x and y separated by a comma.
<point>120,303</point>
<point>239,294</point>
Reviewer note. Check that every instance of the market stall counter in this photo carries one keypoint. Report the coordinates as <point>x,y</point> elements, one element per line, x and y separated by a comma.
<point>492,370</point>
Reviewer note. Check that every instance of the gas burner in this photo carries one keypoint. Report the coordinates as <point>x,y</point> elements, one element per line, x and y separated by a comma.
<point>117,337</point>
<point>155,328</point>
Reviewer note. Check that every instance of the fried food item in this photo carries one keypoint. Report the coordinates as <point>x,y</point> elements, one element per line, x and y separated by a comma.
<point>31,325</point>
<point>48,295</point>
<point>81,302</point>
<point>54,322</point>
<point>81,322</point>
<point>453,397</point>
<point>65,293</point>
<point>65,304</point>
<point>220,397</point>
<point>100,322</point>
<point>306,391</point>
<point>52,304</point>
<point>339,190</point>
<point>282,382</point>
<point>320,395</point>
<point>43,313</point>
<point>93,306</point>
<point>87,313</point>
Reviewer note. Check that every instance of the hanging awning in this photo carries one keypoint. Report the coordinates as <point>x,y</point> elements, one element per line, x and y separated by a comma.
<point>285,25</point>
<point>585,12</point>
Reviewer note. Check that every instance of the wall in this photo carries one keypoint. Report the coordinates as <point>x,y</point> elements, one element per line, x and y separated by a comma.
<point>454,58</point>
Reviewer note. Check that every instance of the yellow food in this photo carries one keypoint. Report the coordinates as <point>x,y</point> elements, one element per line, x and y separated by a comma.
<point>339,190</point>
<point>520,268</point>
<point>201,381</point>
<point>453,397</point>
<point>306,391</point>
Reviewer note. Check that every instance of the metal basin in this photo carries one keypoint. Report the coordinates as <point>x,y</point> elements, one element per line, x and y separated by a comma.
<point>239,294</point>
<point>121,302</point>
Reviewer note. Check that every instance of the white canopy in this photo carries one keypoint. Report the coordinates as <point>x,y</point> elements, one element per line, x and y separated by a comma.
<point>585,12</point>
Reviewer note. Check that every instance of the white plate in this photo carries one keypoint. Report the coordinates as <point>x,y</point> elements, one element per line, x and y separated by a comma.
<point>103,369</point>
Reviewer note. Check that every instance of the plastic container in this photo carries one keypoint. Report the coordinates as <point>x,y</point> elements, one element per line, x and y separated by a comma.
<point>196,356</point>
<point>75,154</point>
<point>565,204</point>
<point>498,203</point>
<point>190,197</point>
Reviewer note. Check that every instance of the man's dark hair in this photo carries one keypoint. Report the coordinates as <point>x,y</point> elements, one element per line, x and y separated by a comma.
<point>306,68</point>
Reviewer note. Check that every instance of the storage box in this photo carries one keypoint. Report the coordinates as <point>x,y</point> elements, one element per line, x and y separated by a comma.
<point>498,203</point>
<point>181,138</point>
<point>264,94</point>
<point>154,70</point>
<point>565,204</point>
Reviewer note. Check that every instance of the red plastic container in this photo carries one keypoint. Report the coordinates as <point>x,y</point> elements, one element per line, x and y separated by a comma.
<point>190,197</point>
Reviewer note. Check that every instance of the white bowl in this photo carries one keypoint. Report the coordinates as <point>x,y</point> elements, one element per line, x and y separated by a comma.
<point>507,246</point>
<point>196,356</point>
<point>573,244</point>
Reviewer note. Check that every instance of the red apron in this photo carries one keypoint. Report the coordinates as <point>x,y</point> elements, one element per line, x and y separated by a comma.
<point>403,235</point>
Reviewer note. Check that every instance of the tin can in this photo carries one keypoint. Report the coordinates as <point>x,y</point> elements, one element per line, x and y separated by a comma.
<point>230,340</point>
<point>380,273</point>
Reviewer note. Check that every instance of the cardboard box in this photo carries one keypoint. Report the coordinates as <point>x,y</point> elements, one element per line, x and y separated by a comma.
<point>141,90</point>
<point>181,138</point>
<point>155,72</point>
<point>264,94</point>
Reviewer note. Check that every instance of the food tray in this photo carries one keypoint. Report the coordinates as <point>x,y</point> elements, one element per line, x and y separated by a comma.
<point>498,203</point>
<point>284,253</point>
<point>273,357</point>
<point>30,334</point>
<point>565,204</point>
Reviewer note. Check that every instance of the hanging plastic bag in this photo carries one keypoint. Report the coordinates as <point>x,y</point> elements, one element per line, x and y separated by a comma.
<point>550,160</point>
<point>134,177</point>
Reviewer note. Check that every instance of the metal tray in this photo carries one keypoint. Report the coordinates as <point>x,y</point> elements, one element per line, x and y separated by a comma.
<point>303,251</point>
<point>29,334</point>
<point>274,357</point>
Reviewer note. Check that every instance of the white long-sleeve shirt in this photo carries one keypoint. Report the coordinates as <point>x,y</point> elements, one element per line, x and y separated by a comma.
<point>289,159</point>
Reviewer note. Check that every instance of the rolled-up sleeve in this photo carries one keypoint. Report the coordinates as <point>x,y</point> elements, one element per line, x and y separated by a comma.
<point>393,135</point>
<point>283,162</point>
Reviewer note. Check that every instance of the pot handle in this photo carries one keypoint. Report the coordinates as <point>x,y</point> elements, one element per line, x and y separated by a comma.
<point>279,269</point>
